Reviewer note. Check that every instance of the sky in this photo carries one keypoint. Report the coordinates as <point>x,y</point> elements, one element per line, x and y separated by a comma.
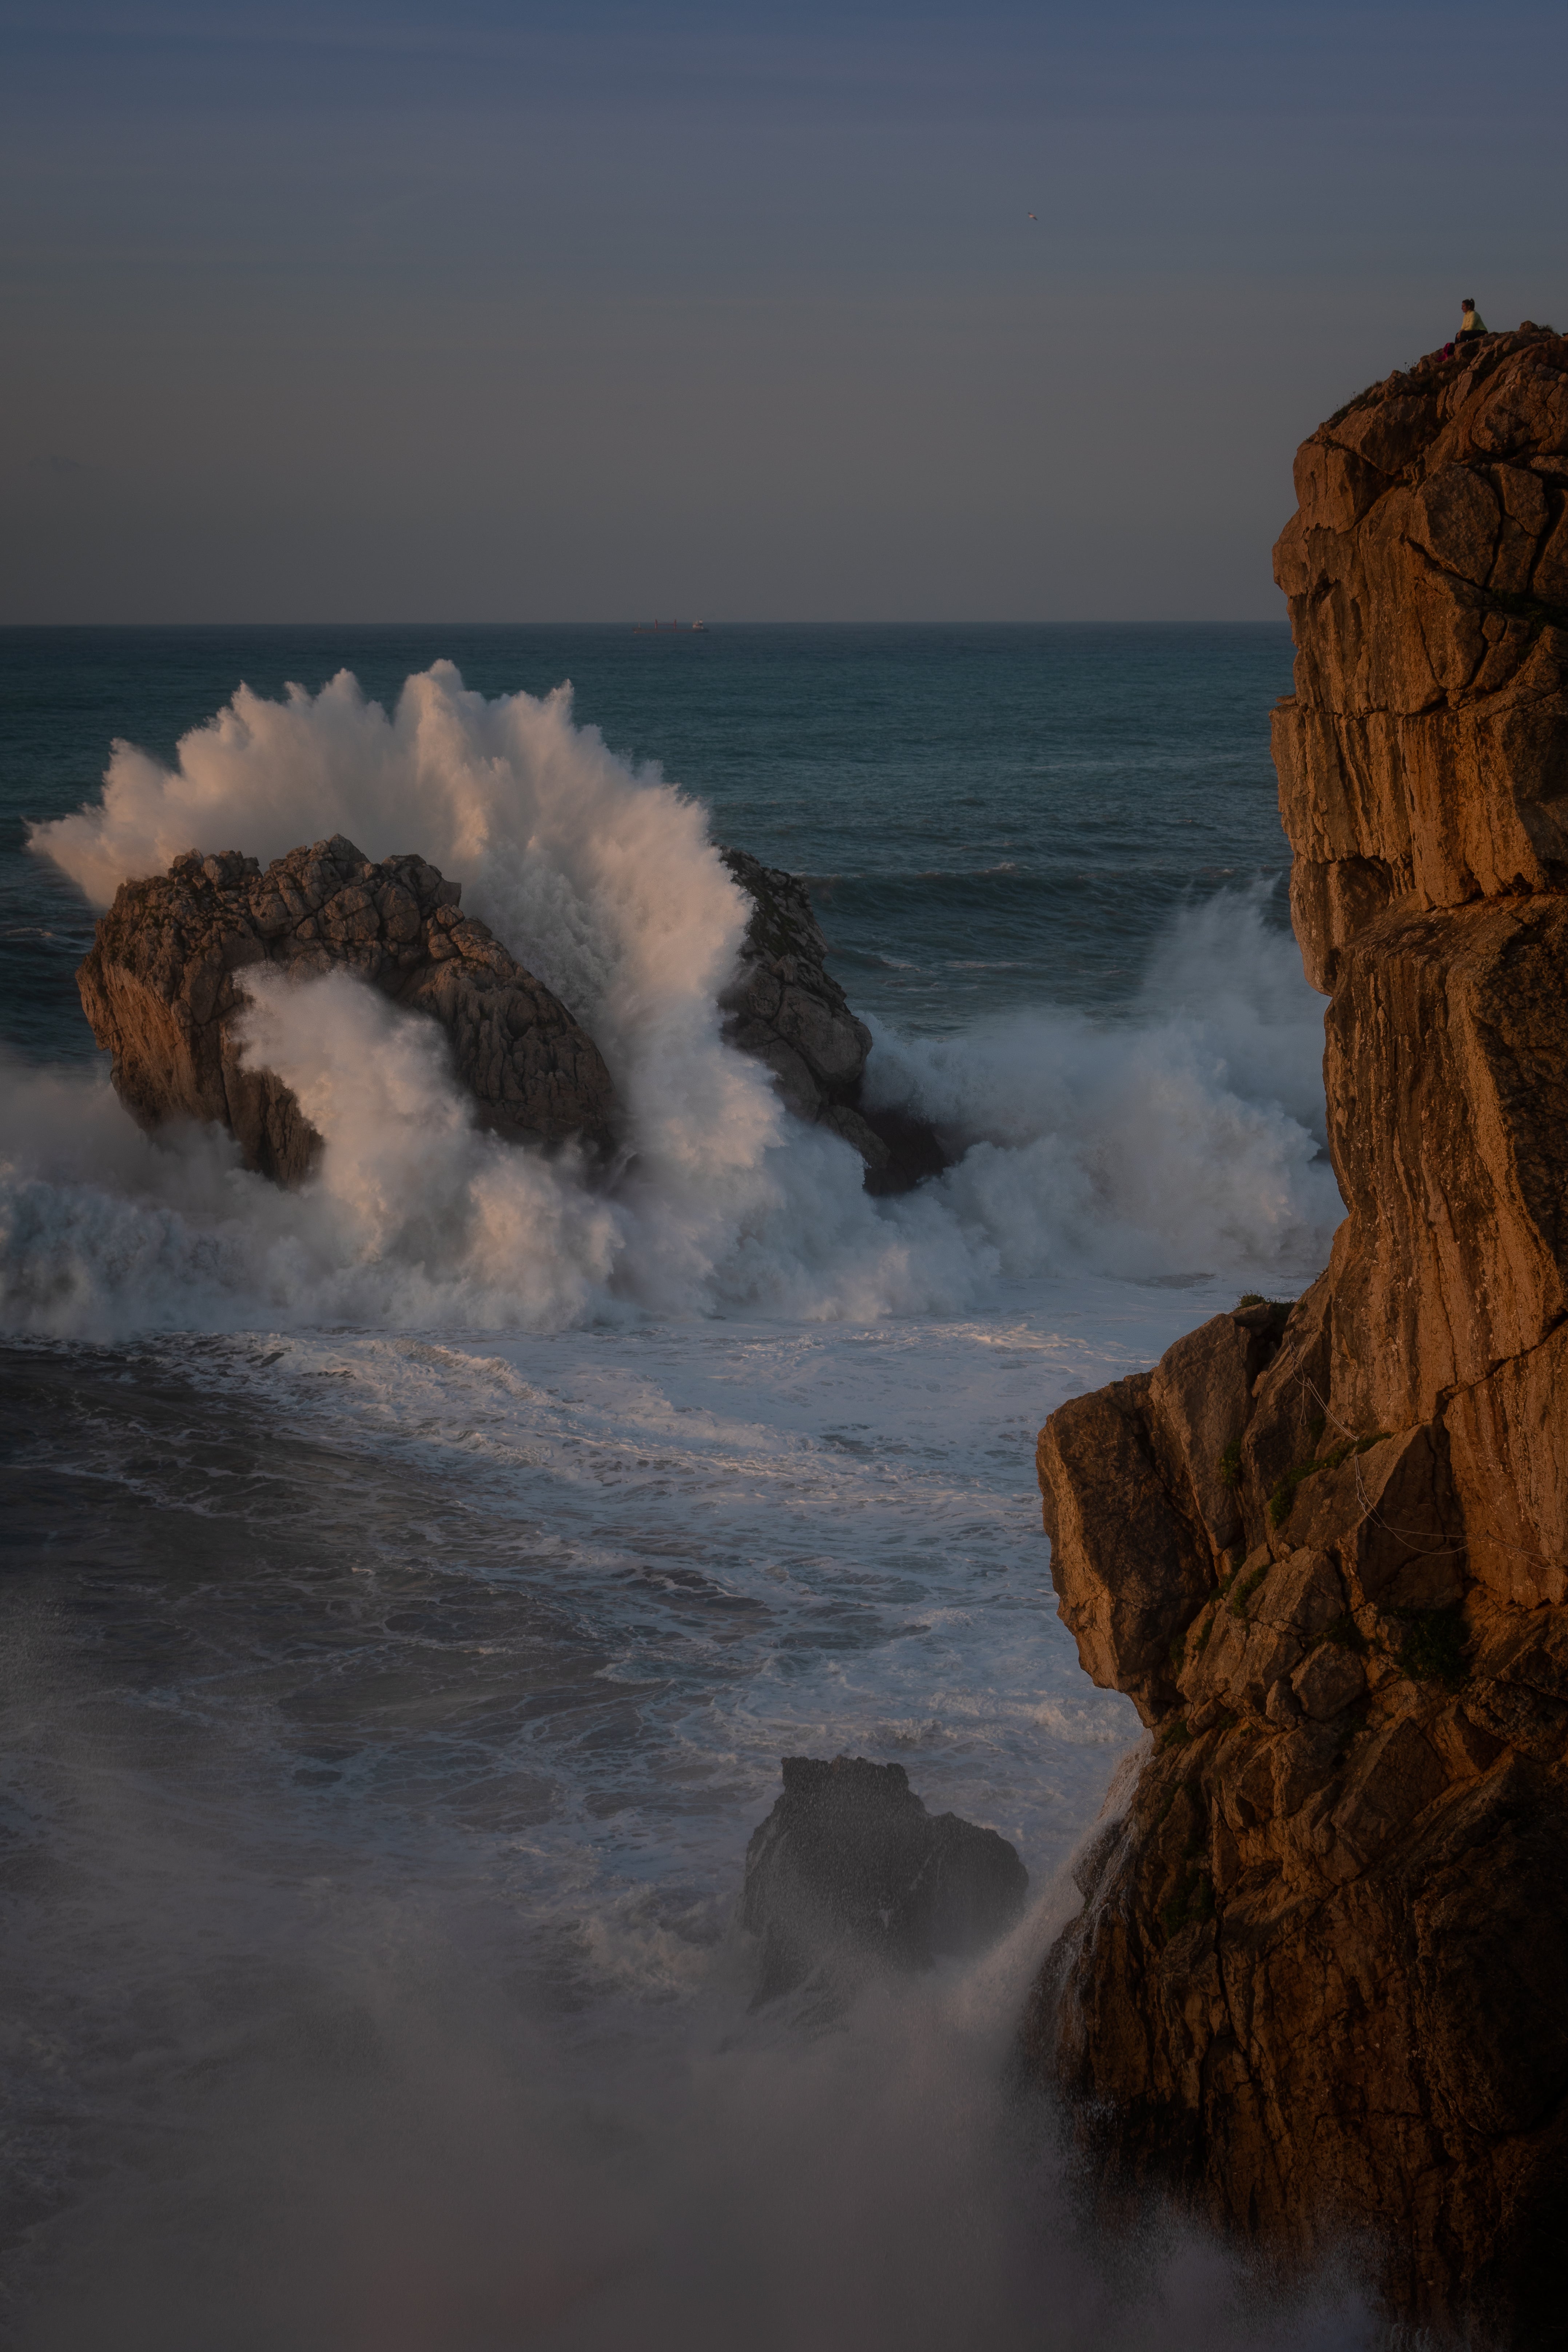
<point>375,310</point>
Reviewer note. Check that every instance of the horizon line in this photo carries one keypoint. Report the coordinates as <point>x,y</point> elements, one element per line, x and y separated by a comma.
<point>630,622</point>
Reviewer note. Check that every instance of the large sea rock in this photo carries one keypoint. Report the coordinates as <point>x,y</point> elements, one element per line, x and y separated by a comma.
<point>850,1870</point>
<point>1320,1983</point>
<point>162,990</point>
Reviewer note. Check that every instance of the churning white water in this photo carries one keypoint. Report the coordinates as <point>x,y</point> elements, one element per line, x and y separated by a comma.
<point>436,1562</point>
<point>1178,1141</point>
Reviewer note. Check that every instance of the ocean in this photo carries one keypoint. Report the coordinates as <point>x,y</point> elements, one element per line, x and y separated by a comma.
<point>412,1583</point>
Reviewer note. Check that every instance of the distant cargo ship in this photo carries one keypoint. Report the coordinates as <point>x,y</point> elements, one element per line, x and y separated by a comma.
<point>664,628</point>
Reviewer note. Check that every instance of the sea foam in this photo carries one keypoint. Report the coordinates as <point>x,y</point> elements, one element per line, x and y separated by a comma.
<point>1182,1137</point>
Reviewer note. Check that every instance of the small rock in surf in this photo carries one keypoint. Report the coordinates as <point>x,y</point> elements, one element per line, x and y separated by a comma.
<point>849,1868</point>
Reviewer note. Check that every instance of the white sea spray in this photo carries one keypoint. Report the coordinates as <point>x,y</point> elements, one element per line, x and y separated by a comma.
<point>1176,1138</point>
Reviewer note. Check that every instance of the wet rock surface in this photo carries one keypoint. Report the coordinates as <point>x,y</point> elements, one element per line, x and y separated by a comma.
<point>785,1007</point>
<point>162,988</point>
<point>850,1872</point>
<point>1320,1982</point>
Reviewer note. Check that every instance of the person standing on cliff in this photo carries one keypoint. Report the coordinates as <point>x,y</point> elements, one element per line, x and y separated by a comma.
<point>1472,326</point>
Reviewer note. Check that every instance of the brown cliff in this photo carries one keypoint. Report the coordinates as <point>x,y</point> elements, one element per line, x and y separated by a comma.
<point>1319,1984</point>
<point>162,988</point>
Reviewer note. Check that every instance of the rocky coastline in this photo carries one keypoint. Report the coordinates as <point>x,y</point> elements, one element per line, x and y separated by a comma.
<point>1319,1985</point>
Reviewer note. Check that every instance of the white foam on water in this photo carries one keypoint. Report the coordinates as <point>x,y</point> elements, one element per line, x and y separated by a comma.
<point>1180,1137</point>
<point>819,1538</point>
<point>763,1442</point>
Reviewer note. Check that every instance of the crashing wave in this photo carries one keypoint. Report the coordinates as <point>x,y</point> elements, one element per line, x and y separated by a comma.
<point>1179,1138</point>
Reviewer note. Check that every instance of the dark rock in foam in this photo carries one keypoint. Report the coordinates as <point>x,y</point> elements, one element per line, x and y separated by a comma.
<point>162,988</point>
<point>849,1869</point>
<point>785,1007</point>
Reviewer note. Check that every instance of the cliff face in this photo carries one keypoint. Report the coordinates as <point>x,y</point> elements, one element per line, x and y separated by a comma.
<point>1321,1980</point>
<point>160,988</point>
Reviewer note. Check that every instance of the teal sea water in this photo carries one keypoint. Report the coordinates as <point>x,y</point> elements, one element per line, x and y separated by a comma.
<point>410,1585</point>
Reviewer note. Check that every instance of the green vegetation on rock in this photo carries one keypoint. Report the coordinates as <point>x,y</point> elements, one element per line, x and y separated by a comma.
<point>1435,1648</point>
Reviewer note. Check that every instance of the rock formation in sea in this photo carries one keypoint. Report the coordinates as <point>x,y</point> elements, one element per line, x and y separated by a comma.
<point>162,990</point>
<point>784,1007</point>
<point>1320,1982</point>
<point>850,1870</point>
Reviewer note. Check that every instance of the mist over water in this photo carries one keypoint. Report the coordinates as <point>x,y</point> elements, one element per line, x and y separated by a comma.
<point>372,1836</point>
<point>417,1579</point>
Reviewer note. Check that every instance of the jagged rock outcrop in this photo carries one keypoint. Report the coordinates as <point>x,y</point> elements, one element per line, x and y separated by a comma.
<point>1320,1982</point>
<point>850,1870</point>
<point>160,988</point>
<point>1422,759</point>
<point>785,1007</point>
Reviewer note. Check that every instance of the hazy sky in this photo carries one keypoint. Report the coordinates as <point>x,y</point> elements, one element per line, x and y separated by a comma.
<point>380,309</point>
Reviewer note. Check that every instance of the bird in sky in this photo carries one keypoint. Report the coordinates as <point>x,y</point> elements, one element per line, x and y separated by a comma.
<point>1033,215</point>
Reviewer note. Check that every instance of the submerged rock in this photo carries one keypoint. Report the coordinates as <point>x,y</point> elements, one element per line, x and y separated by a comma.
<point>785,1007</point>
<point>162,990</point>
<point>849,1868</point>
<point>1321,1979</point>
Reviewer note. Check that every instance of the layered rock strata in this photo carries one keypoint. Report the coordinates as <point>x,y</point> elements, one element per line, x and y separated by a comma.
<point>1320,1983</point>
<point>850,1872</point>
<point>163,988</point>
<point>784,1007</point>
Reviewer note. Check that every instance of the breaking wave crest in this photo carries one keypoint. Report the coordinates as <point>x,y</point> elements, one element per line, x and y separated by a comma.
<point>1183,1136</point>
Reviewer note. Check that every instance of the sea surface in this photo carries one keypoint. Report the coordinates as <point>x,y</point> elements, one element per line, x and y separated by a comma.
<point>412,1584</point>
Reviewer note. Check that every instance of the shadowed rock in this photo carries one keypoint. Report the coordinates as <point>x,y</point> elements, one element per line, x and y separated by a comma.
<point>162,990</point>
<point>785,1007</point>
<point>1321,1979</point>
<point>850,1869</point>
